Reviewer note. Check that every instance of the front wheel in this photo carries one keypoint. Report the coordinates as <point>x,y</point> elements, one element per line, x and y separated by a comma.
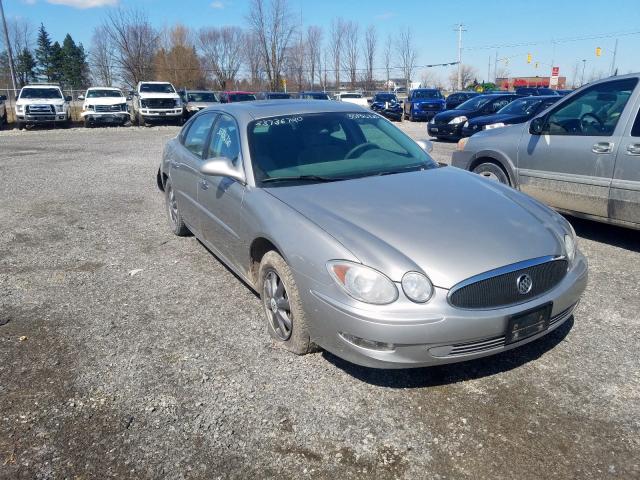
<point>176,222</point>
<point>286,321</point>
<point>491,171</point>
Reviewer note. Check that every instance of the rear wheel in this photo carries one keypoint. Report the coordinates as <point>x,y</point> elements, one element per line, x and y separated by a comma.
<point>493,172</point>
<point>87,123</point>
<point>176,221</point>
<point>286,321</point>
<point>20,125</point>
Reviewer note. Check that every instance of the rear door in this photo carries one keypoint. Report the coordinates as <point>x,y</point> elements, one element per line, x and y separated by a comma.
<point>624,197</point>
<point>570,165</point>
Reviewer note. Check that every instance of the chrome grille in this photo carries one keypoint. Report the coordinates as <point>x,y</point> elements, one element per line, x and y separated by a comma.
<point>499,342</point>
<point>160,102</point>
<point>500,287</point>
<point>107,108</point>
<point>38,109</point>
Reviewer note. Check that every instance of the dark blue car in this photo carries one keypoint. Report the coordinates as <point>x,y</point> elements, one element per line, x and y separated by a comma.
<point>423,104</point>
<point>518,111</point>
<point>387,105</point>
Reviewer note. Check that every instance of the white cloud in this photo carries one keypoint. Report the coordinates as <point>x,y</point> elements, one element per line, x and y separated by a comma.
<point>217,4</point>
<point>84,3</point>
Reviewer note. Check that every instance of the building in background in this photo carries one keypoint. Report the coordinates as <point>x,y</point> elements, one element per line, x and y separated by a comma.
<point>512,83</point>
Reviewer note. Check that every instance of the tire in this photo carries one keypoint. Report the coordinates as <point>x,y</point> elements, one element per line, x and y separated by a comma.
<point>176,222</point>
<point>20,125</point>
<point>493,172</point>
<point>87,123</point>
<point>286,320</point>
<point>141,122</point>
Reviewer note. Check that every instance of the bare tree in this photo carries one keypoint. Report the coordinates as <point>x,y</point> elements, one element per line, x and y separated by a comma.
<point>296,62</point>
<point>134,41</point>
<point>429,78</point>
<point>370,44</point>
<point>314,43</point>
<point>253,59</point>
<point>221,52</point>
<point>336,43</point>
<point>273,27</point>
<point>101,58</point>
<point>387,60</point>
<point>177,61</point>
<point>20,35</point>
<point>350,62</point>
<point>407,55</point>
<point>467,73</point>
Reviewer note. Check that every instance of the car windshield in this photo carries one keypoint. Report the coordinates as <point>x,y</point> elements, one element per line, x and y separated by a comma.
<point>104,94</point>
<point>523,106</point>
<point>426,94</point>
<point>40,93</point>
<point>241,97</point>
<point>385,97</point>
<point>329,147</point>
<point>350,95</point>
<point>316,96</point>
<point>278,96</point>
<point>205,97</point>
<point>157,88</point>
<point>474,103</point>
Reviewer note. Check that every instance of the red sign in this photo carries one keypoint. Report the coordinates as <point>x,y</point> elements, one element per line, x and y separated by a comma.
<point>555,71</point>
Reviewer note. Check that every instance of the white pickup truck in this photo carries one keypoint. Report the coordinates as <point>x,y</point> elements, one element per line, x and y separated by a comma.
<point>104,105</point>
<point>42,103</point>
<point>352,97</point>
<point>156,102</point>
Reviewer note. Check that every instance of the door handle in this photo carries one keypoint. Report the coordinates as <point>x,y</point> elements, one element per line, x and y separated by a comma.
<point>204,185</point>
<point>602,147</point>
<point>633,149</point>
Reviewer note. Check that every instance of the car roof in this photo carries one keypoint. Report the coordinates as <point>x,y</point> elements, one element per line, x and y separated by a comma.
<point>248,111</point>
<point>237,91</point>
<point>103,88</point>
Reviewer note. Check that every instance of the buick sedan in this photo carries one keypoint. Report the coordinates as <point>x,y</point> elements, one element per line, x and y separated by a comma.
<point>359,243</point>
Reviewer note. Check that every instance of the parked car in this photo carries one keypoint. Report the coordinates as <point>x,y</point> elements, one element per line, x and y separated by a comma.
<point>518,111</point>
<point>581,156</point>
<point>352,97</point>
<point>236,96</point>
<point>337,219</point>
<point>42,103</point>
<point>156,102</point>
<point>535,91</point>
<point>449,124</point>
<point>273,96</point>
<point>387,105</point>
<point>314,96</point>
<point>195,100</point>
<point>562,93</point>
<point>423,104</point>
<point>3,111</point>
<point>456,98</point>
<point>104,105</point>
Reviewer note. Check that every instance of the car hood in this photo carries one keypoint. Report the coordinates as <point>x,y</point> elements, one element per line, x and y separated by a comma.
<point>201,104</point>
<point>449,223</point>
<point>159,95</point>
<point>451,114</point>
<point>38,101</point>
<point>434,101</point>
<point>105,101</point>
<point>505,118</point>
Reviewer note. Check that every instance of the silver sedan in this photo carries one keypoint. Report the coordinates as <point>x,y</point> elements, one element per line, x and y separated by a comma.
<point>358,242</point>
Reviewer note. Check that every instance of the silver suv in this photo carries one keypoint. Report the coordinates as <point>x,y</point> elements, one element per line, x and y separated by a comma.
<point>580,156</point>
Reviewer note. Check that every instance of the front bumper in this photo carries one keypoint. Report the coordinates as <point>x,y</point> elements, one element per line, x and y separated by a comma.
<point>462,159</point>
<point>445,130</point>
<point>59,117</point>
<point>160,114</point>
<point>420,114</point>
<point>440,334</point>
<point>470,130</point>
<point>111,117</point>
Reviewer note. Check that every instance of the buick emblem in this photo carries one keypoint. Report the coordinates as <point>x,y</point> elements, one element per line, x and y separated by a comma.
<point>524,284</point>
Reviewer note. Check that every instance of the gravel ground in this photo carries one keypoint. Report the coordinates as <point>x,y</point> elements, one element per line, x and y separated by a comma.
<point>128,352</point>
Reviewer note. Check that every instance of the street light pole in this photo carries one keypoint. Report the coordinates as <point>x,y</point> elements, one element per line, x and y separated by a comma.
<point>460,29</point>
<point>8,45</point>
<point>584,64</point>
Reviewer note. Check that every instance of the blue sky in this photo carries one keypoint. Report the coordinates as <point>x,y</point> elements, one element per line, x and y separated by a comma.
<point>495,23</point>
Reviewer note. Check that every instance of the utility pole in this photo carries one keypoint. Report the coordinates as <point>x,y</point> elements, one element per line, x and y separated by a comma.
<point>8,45</point>
<point>495,69</point>
<point>584,64</point>
<point>489,70</point>
<point>613,62</point>
<point>460,29</point>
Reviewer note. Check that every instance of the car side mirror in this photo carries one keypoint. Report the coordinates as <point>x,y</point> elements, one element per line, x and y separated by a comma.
<point>425,145</point>
<point>222,167</point>
<point>80,97</point>
<point>68,98</point>
<point>536,127</point>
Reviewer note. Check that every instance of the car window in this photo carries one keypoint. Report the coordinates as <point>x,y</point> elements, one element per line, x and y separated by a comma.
<point>593,112</point>
<point>500,103</point>
<point>224,140</point>
<point>196,136</point>
<point>635,130</point>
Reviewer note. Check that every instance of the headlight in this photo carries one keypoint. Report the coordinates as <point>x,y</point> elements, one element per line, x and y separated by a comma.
<point>89,107</point>
<point>363,283</point>
<point>462,143</point>
<point>59,108</point>
<point>19,108</point>
<point>432,121</point>
<point>570,247</point>
<point>192,108</point>
<point>494,125</point>
<point>457,120</point>
<point>417,287</point>
<point>466,124</point>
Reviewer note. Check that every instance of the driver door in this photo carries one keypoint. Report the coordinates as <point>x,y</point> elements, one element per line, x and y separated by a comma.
<point>570,165</point>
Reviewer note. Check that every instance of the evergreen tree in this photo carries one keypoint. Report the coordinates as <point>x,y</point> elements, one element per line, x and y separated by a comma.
<point>44,54</point>
<point>56,64</point>
<point>74,64</point>
<point>25,67</point>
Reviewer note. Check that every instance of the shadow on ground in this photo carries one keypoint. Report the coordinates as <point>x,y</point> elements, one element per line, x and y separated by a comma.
<point>601,232</point>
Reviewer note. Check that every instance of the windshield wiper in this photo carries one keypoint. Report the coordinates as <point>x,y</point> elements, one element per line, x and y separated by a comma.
<point>302,178</point>
<point>401,170</point>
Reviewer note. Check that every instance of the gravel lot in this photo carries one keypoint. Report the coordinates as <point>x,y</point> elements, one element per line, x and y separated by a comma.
<point>128,352</point>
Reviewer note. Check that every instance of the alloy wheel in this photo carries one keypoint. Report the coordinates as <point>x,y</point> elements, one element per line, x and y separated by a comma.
<point>276,305</point>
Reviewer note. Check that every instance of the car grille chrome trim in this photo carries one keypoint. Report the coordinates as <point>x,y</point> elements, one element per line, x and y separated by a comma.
<point>498,288</point>
<point>499,342</point>
<point>40,109</point>
<point>108,108</point>
<point>160,103</point>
